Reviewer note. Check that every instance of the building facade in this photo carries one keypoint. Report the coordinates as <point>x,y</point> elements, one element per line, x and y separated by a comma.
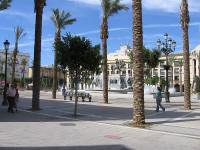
<point>175,73</point>
<point>21,68</point>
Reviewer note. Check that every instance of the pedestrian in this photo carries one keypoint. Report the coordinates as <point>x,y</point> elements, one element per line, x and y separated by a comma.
<point>11,93</point>
<point>159,100</point>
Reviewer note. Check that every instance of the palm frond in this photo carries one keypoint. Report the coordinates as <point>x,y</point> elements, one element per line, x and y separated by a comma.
<point>19,33</point>
<point>4,4</point>
<point>116,6</point>
<point>61,19</point>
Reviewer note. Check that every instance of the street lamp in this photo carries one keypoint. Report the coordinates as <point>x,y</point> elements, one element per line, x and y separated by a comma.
<point>167,46</point>
<point>6,47</point>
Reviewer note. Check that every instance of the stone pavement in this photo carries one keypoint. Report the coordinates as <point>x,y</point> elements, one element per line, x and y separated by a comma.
<point>98,126</point>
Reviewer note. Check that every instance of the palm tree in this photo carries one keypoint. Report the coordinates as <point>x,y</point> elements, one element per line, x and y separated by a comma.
<point>60,19</point>
<point>109,8</point>
<point>138,65</point>
<point>4,4</point>
<point>19,34</point>
<point>23,63</point>
<point>39,5</point>
<point>185,19</point>
<point>180,76</point>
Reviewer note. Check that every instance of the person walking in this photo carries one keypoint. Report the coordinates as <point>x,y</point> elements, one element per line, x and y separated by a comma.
<point>159,100</point>
<point>11,93</point>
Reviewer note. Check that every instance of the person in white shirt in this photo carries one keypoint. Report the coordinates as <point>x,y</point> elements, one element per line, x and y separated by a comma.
<point>11,93</point>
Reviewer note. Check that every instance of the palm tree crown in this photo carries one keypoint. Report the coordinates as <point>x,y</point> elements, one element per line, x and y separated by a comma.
<point>4,4</point>
<point>19,33</point>
<point>111,7</point>
<point>61,19</point>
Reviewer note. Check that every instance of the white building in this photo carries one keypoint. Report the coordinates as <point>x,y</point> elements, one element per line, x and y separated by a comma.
<point>174,72</point>
<point>20,69</point>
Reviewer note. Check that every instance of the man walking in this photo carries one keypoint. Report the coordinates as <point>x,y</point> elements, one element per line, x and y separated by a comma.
<point>11,93</point>
<point>159,100</point>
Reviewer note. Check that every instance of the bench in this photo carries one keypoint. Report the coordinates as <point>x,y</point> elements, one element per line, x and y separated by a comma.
<point>80,93</point>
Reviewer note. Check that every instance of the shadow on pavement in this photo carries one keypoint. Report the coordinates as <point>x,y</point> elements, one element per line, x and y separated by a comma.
<point>57,110</point>
<point>95,147</point>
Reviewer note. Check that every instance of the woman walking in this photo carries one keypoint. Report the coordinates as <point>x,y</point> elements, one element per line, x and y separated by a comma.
<point>159,100</point>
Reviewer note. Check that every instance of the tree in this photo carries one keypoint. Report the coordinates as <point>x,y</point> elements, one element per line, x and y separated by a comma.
<point>19,34</point>
<point>60,19</point>
<point>4,4</point>
<point>152,59</point>
<point>79,56</point>
<point>180,62</point>
<point>39,5</point>
<point>138,65</point>
<point>23,63</point>
<point>185,19</point>
<point>109,8</point>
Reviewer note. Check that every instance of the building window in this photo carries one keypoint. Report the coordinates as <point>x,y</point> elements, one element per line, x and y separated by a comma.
<point>162,63</point>
<point>176,70</point>
<point>162,72</point>
<point>176,77</point>
<point>124,72</point>
<point>113,81</point>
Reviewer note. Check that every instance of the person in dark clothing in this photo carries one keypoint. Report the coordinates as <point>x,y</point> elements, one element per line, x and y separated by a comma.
<point>159,100</point>
<point>11,93</point>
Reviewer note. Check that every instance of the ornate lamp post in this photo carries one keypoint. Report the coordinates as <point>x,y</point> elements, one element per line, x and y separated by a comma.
<point>167,46</point>
<point>6,47</point>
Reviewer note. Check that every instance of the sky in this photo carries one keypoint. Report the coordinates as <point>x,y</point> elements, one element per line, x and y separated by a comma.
<point>159,17</point>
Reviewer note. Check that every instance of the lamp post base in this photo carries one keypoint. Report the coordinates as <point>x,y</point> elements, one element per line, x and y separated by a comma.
<point>167,94</point>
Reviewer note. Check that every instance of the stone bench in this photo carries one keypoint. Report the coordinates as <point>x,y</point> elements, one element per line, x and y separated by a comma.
<point>80,93</point>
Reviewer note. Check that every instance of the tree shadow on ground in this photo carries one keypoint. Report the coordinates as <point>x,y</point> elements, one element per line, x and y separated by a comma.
<point>58,111</point>
<point>95,147</point>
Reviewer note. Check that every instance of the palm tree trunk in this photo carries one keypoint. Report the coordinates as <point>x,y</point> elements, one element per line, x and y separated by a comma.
<point>186,55</point>
<point>187,103</point>
<point>181,86</point>
<point>14,61</point>
<point>76,94</point>
<point>55,70</point>
<point>138,65</point>
<point>104,37</point>
<point>37,55</point>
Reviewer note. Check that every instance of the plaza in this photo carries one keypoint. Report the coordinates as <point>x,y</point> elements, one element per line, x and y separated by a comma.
<point>98,126</point>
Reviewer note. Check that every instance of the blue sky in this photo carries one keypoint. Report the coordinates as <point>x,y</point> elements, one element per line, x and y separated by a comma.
<point>159,17</point>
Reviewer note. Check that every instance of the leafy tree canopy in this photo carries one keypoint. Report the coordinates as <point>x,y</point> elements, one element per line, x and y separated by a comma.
<point>78,55</point>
